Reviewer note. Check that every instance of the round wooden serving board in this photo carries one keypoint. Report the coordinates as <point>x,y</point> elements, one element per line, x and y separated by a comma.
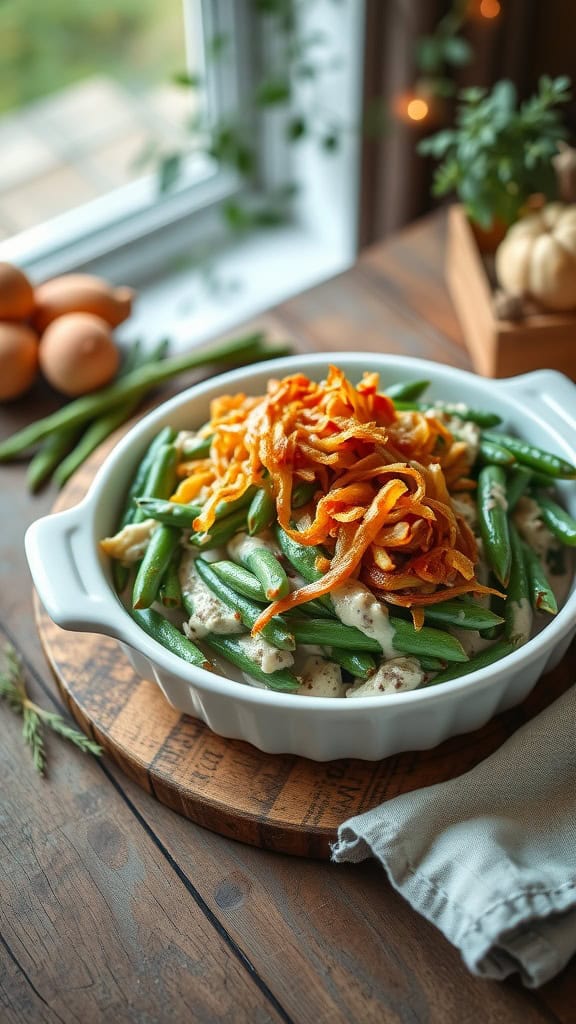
<point>282,803</point>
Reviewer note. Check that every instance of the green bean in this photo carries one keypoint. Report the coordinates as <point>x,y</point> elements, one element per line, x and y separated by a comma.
<point>407,390</point>
<point>248,349</point>
<point>541,480</point>
<point>518,610</point>
<point>120,576</point>
<point>462,614</point>
<point>538,459</point>
<point>170,593</point>
<point>161,630</point>
<point>161,478</point>
<point>275,631</point>
<point>171,513</point>
<point>406,639</point>
<point>542,596</point>
<point>220,532</point>
<point>136,356</point>
<point>95,433</point>
<point>240,580</point>
<point>495,453</point>
<point>261,511</point>
<point>51,453</point>
<point>359,664</point>
<point>132,357</point>
<point>317,609</point>
<point>266,568</point>
<point>493,521</point>
<point>175,513</point>
<point>197,447</point>
<point>164,436</point>
<point>61,442</point>
<point>244,582</point>
<point>157,557</point>
<point>558,520</point>
<point>431,664</point>
<point>303,493</point>
<point>231,648</point>
<point>482,660</point>
<point>479,416</point>
<point>519,479</point>
<point>303,559</point>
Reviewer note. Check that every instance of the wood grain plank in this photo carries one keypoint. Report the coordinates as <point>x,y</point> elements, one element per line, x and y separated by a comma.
<point>99,926</point>
<point>411,266</point>
<point>336,943</point>
<point>359,312</point>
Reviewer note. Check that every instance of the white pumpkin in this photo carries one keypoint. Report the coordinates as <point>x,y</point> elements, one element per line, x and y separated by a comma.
<point>537,257</point>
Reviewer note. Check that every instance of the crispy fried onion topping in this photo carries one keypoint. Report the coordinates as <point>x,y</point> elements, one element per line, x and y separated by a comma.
<point>381,508</point>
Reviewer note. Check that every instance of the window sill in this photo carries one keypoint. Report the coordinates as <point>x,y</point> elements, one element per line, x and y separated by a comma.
<point>193,304</point>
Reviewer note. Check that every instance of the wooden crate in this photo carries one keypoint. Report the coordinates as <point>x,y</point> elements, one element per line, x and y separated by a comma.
<point>501,348</point>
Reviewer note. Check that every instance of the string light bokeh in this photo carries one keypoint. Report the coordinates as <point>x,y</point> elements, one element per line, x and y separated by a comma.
<point>425,102</point>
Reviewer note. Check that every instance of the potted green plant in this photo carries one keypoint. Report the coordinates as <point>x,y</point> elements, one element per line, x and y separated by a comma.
<point>499,153</point>
<point>500,159</point>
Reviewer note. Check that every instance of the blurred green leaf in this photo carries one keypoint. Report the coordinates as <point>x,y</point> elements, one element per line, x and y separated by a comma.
<point>236,216</point>
<point>187,78</point>
<point>169,171</point>
<point>457,51</point>
<point>217,45</point>
<point>272,92</point>
<point>331,142</point>
<point>296,128</point>
<point>429,56</point>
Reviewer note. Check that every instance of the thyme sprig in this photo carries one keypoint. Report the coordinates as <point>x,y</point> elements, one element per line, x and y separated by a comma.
<point>13,691</point>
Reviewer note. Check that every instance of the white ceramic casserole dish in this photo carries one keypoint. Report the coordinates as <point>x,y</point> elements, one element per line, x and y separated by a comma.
<point>73,579</point>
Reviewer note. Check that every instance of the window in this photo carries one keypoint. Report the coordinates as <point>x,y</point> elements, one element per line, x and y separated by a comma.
<point>81,113</point>
<point>131,232</point>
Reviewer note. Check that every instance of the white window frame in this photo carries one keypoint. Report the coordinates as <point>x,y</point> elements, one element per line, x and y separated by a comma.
<point>137,244</point>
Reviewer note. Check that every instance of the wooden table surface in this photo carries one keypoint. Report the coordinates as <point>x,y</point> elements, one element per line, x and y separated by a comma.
<point>113,908</point>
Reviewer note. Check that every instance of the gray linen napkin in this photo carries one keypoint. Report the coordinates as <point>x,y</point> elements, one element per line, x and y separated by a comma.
<point>490,857</point>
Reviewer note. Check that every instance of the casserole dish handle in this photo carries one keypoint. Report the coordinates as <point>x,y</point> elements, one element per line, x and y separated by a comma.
<point>67,575</point>
<point>550,394</point>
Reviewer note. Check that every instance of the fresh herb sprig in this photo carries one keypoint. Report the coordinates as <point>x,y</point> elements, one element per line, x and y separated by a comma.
<point>13,691</point>
<point>500,152</point>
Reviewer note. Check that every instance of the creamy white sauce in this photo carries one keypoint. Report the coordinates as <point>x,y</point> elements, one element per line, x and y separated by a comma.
<point>497,497</point>
<point>130,543</point>
<point>455,407</point>
<point>470,639</point>
<point>466,507</point>
<point>303,653</point>
<point>242,546</point>
<point>355,605</point>
<point>263,654</point>
<point>527,519</point>
<point>182,439</point>
<point>393,676</point>
<point>465,430</point>
<point>210,614</point>
<point>321,678</point>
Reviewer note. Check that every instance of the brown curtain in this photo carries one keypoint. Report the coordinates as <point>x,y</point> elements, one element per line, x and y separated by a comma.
<point>526,40</point>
